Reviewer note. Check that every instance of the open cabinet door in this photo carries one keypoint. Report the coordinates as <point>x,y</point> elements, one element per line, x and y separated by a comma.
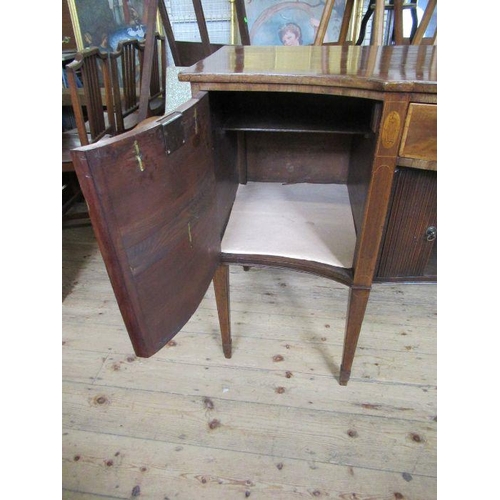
<point>152,202</point>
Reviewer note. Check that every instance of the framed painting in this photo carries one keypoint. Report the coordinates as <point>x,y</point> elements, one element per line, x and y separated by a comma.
<point>285,22</point>
<point>104,23</point>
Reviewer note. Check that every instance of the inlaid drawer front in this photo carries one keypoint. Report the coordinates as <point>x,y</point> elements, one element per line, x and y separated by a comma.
<point>420,133</point>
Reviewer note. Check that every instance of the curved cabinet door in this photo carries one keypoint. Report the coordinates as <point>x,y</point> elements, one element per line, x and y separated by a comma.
<point>151,197</point>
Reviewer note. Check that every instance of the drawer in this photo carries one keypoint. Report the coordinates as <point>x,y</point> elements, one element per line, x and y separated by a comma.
<point>420,133</point>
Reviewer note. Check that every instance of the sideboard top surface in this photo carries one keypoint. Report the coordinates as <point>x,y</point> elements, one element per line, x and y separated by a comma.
<point>386,68</point>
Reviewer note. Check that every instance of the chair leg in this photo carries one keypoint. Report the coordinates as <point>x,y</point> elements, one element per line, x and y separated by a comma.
<point>358,299</point>
<point>221,287</point>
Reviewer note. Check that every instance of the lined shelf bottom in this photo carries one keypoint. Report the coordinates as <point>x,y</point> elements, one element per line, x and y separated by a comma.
<point>311,222</point>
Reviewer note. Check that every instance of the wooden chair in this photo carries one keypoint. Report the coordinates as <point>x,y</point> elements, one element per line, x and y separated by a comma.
<point>418,38</point>
<point>124,66</point>
<point>157,86</point>
<point>152,100</point>
<point>92,105</point>
<point>397,6</point>
<point>325,19</point>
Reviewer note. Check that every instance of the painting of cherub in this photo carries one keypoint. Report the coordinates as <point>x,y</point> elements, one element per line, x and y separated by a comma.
<point>274,22</point>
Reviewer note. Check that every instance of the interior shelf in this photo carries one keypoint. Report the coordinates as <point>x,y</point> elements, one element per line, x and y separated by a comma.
<point>294,112</point>
<point>260,124</point>
<point>306,222</point>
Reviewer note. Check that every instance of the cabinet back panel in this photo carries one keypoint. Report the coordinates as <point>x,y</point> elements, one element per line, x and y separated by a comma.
<point>291,157</point>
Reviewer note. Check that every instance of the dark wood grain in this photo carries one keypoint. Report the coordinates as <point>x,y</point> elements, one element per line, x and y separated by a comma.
<point>407,248</point>
<point>384,68</point>
<point>154,222</point>
<point>125,69</point>
<point>191,52</point>
<point>242,22</point>
<point>290,158</point>
<point>341,274</point>
<point>294,112</point>
<point>358,300</point>
<point>359,176</point>
<point>379,192</point>
<point>147,59</point>
<point>221,288</point>
<point>202,27</point>
<point>169,33</point>
<point>420,134</point>
<point>158,79</point>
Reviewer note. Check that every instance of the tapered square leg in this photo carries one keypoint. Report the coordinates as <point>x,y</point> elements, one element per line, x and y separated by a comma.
<point>221,287</point>
<point>358,299</point>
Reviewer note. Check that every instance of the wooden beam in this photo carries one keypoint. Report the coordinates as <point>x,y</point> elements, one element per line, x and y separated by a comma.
<point>147,63</point>
<point>346,19</point>
<point>202,27</point>
<point>169,32</point>
<point>241,14</point>
<point>424,23</point>
<point>398,22</point>
<point>323,24</point>
<point>378,23</point>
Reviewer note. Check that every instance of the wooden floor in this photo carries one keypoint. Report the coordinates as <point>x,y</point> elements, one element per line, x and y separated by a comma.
<point>270,423</point>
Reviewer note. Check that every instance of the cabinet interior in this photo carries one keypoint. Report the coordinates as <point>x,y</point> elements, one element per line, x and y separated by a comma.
<point>302,163</point>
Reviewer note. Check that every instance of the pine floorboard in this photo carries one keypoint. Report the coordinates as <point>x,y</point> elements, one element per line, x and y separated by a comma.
<point>270,423</point>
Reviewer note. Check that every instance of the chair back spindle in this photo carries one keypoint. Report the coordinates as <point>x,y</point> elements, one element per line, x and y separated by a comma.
<point>157,83</point>
<point>94,115</point>
<point>125,75</point>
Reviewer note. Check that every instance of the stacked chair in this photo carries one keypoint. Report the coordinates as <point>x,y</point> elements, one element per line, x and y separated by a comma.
<point>105,90</point>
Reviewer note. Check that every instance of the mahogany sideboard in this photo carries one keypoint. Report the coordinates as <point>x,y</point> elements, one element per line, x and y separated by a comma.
<point>318,159</point>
